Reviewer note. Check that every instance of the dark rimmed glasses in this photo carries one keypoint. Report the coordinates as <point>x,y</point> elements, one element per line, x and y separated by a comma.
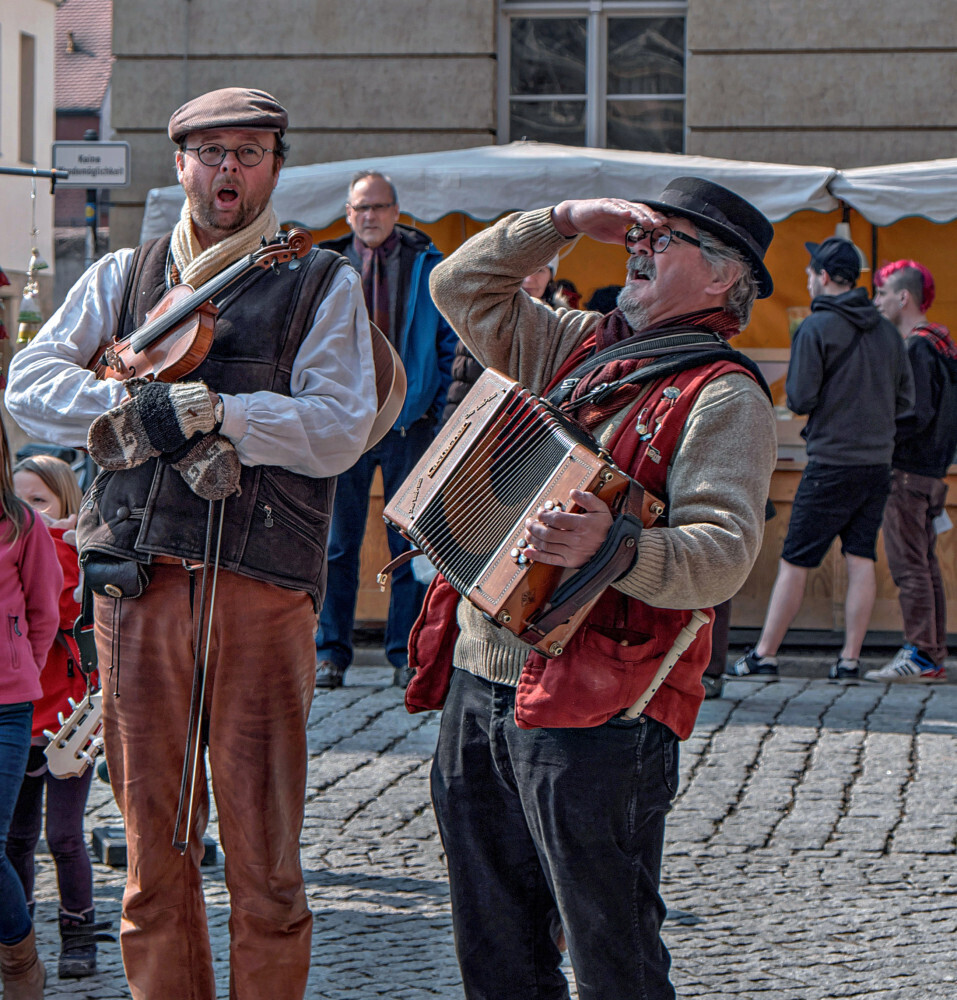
<point>211,154</point>
<point>659,238</point>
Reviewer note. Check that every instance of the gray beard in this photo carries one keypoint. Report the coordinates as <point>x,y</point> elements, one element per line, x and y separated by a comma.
<point>635,313</point>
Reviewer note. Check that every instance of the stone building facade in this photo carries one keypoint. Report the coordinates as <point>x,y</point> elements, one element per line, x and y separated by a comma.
<point>846,83</point>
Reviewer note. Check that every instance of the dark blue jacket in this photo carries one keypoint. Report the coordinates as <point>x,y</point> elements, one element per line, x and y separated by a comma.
<point>425,341</point>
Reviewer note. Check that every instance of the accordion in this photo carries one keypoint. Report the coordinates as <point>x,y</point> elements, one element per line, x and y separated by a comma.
<point>503,455</point>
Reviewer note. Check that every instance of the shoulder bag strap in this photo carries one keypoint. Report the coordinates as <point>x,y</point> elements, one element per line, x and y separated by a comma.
<point>842,358</point>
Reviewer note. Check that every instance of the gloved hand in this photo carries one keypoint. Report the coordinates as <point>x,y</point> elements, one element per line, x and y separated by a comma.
<point>158,418</point>
<point>211,467</point>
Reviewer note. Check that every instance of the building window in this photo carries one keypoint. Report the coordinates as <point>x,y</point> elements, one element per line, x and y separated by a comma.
<point>28,98</point>
<point>593,73</point>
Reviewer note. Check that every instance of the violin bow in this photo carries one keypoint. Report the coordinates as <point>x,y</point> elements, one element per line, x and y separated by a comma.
<point>197,697</point>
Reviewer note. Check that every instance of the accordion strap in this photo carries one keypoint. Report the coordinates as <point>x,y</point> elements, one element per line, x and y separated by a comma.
<point>610,563</point>
<point>382,577</point>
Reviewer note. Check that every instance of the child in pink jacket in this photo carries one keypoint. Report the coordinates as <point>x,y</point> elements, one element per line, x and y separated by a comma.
<point>49,486</point>
<point>30,584</point>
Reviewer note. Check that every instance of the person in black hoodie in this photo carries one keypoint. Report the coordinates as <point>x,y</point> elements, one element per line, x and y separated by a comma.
<point>850,374</point>
<point>926,440</point>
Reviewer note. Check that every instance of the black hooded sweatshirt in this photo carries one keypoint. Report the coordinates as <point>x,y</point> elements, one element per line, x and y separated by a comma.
<point>852,408</point>
<point>927,433</point>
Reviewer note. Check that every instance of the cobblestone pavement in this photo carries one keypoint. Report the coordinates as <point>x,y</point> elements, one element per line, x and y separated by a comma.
<point>810,855</point>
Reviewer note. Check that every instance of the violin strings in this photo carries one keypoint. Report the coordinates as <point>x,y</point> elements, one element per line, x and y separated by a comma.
<point>153,329</point>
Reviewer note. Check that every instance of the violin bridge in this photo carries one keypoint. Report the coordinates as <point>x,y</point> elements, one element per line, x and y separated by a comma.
<point>113,360</point>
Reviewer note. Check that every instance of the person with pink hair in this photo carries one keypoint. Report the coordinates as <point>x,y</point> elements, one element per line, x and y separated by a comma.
<point>923,449</point>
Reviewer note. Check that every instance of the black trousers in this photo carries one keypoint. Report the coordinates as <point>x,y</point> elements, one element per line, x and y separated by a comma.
<point>534,819</point>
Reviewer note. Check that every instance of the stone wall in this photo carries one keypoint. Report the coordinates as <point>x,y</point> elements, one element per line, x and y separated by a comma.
<point>359,79</point>
<point>844,84</point>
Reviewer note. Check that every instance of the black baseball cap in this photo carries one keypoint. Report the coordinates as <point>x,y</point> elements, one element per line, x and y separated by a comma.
<point>836,256</point>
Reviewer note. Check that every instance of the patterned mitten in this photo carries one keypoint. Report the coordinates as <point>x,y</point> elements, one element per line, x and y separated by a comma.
<point>211,467</point>
<point>157,418</point>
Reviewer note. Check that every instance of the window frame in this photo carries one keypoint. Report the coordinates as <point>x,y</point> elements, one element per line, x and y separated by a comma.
<point>596,14</point>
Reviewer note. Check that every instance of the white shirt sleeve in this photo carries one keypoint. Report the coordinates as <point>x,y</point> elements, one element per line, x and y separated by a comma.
<point>320,430</point>
<point>50,392</point>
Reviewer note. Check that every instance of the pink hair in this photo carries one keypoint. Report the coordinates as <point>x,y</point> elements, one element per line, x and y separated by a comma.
<point>927,279</point>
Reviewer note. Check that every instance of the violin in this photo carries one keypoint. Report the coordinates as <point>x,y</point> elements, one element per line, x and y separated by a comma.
<point>178,331</point>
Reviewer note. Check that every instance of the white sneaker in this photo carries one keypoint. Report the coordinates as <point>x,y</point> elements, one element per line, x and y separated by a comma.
<point>908,667</point>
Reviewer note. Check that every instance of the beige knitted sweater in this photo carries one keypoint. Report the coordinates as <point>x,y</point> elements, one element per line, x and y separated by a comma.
<point>718,480</point>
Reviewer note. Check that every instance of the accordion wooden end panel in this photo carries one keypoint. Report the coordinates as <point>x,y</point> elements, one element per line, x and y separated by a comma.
<point>503,455</point>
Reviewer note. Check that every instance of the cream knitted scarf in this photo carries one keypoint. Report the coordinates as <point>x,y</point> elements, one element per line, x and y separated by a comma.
<point>196,265</point>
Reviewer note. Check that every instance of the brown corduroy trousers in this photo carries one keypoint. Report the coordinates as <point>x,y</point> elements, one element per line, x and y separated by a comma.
<point>259,688</point>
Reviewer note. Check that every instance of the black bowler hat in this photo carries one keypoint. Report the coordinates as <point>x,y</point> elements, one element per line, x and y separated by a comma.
<point>836,256</point>
<point>725,214</point>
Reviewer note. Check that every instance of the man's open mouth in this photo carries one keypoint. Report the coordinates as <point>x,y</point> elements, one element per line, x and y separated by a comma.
<point>227,195</point>
<point>642,269</point>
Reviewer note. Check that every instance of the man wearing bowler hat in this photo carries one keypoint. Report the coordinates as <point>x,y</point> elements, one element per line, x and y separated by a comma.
<point>232,465</point>
<point>550,795</point>
<point>850,374</point>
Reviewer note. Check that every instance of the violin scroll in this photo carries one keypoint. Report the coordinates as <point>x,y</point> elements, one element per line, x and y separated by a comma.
<point>296,244</point>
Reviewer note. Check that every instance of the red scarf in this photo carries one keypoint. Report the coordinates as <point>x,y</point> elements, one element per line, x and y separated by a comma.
<point>612,329</point>
<point>939,337</point>
<point>375,279</point>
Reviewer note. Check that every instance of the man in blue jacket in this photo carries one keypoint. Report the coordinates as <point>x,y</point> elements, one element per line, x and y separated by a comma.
<point>395,263</point>
<point>850,374</point>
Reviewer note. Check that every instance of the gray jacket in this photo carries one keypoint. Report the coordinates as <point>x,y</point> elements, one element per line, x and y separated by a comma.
<point>852,409</point>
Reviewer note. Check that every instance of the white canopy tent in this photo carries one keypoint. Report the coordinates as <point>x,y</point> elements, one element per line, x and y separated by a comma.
<point>887,194</point>
<point>485,181</point>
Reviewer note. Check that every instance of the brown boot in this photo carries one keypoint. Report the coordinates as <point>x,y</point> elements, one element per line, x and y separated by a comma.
<point>21,969</point>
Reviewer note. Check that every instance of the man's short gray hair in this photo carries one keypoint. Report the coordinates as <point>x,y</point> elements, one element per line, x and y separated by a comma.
<point>744,291</point>
<point>363,175</point>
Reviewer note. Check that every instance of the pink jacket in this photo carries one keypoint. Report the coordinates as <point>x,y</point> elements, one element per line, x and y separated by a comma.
<point>30,583</point>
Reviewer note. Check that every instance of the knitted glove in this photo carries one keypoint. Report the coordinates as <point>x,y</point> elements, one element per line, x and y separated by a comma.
<point>157,418</point>
<point>211,467</point>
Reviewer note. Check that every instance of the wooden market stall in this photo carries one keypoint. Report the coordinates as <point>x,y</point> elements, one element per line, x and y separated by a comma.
<point>890,212</point>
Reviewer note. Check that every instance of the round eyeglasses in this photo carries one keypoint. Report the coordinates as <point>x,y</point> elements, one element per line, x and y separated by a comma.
<point>212,153</point>
<point>659,238</point>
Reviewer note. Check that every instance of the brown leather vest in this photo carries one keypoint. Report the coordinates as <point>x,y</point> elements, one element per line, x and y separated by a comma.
<point>276,529</point>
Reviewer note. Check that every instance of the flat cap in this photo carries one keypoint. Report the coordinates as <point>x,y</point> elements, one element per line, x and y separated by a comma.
<point>231,107</point>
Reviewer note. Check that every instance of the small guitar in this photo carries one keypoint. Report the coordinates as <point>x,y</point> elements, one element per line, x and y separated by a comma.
<point>72,749</point>
<point>390,386</point>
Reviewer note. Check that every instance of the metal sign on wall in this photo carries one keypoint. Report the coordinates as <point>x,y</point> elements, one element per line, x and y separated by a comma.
<point>93,164</point>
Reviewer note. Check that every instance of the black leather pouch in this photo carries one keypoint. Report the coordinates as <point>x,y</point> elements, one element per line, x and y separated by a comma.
<point>114,577</point>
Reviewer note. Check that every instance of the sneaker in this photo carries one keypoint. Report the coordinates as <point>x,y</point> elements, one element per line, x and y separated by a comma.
<point>908,667</point>
<point>846,671</point>
<point>752,666</point>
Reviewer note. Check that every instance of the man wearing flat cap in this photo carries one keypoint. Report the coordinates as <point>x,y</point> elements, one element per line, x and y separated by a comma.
<point>550,783</point>
<point>849,373</point>
<point>217,492</point>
